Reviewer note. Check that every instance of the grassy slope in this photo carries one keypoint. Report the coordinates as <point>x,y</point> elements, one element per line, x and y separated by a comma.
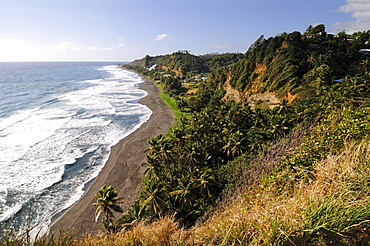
<point>170,102</point>
<point>311,188</point>
<point>284,204</point>
<point>331,209</point>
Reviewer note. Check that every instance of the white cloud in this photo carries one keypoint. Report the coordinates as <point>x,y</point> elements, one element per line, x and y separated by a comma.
<point>161,37</point>
<point>360,12</point>
<point>224,46</point>
<point>101,49</point>
<point>65,46</point>
<point>108,49</point>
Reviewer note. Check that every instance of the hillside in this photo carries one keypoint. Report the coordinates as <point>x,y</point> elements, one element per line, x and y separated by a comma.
<point>291,64</point>
<point>182,63</point>
<point>262,131</point>
<point>272,149</point>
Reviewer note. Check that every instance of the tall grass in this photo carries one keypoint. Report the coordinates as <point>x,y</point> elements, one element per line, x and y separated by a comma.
<point>330,208</point>
<point>25,239</point>
<point>334,206</point>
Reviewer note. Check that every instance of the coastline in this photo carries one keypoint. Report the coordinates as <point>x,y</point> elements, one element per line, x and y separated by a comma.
<point>123,168</point>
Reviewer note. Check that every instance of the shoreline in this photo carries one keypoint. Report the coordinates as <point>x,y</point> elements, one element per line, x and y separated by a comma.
<point>123,169</point>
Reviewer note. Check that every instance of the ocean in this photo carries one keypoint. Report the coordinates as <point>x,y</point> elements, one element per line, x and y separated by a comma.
<point>58,122</point>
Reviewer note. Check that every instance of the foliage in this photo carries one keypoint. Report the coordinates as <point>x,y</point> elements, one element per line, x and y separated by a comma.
<point>180,63</point>
<point>184,167</point>
<point>171,85</point>
<point>191,166</point>
<point>293,61</point>
<point>232,174</point>
<point>106,203</point>
<point>205,156</point>
<point>331,209</point>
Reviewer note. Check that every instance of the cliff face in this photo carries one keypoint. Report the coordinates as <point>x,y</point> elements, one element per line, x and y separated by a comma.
<point>292,66</point>
<point>253,96</point>
<point>231,92</point>
<point>285,67</point>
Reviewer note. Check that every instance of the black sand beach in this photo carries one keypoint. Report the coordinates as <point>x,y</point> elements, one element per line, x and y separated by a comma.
<point>123,169</point>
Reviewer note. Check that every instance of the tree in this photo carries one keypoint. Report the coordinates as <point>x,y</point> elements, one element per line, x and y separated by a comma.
<point>311,59</point>
<point>106,202</point>
<point>154,200</point>
<point>295,36</point>
<point>309,28</point>
<point>184,194</point>
<point>365,64</point>
<point>257,43</point>
<point>172,85</point>
<point>319,29</point>
<point>235,145</point>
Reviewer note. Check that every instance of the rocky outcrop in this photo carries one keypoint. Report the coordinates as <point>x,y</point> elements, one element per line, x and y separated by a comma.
<point>231,94</point>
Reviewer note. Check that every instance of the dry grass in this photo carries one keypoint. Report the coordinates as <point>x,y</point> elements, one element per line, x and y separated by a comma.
<point>164,231</point>
<point>331,208</point>
<point>337,197</point>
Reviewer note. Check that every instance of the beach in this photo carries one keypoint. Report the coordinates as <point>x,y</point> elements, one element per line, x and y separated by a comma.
<point>123,169</point>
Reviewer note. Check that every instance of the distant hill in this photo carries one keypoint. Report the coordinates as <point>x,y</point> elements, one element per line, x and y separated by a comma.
<point>272,147</point>
<point>285,65</point>
<point>182,63</point>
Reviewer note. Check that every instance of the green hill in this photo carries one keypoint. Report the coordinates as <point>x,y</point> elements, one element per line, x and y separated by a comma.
<point>275,150</point>
<point>182,63</point>
<point>262,129</point>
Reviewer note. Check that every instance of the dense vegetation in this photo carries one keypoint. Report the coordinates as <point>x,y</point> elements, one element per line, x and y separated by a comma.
<point>292,173</point>
<point>182,63</point>
<point>204,156</point>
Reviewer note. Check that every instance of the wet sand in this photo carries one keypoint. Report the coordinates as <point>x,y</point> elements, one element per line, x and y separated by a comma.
<point>123,169</point>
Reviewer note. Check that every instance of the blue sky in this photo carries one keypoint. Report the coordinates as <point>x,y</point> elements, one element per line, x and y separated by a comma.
<point>122,30</point>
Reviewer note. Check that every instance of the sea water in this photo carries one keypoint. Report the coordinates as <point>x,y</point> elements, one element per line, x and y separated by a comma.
<point>58,122</point>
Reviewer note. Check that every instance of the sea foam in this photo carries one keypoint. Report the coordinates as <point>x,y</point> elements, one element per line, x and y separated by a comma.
<point>51,147</point>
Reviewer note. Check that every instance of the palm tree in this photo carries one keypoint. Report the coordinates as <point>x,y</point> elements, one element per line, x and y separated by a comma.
<point>106,202</point>
<point>366,66</point>
<point>135,213</point>
<point>235,145</point>
<point>311,60</point>
<point>155,196</point>
<point>206,181</point>
<point>155,144</point>
<point>184,195</point>
<point>192,153</point>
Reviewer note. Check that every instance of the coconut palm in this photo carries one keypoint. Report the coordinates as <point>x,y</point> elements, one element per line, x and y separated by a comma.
<point>311,60</point>
<point>235,145</point>
<point>365,64</point>
<point>106,202</point>
<point>183,194</point>
<point>206,182</point>
<point>155,196</point>
<point>192,153</point>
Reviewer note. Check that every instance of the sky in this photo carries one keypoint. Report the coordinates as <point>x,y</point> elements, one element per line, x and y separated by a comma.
<point>122,30</point>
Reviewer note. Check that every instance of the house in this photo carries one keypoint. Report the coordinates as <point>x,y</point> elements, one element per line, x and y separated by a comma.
<point>365,51</point>
<point>351,40</point>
